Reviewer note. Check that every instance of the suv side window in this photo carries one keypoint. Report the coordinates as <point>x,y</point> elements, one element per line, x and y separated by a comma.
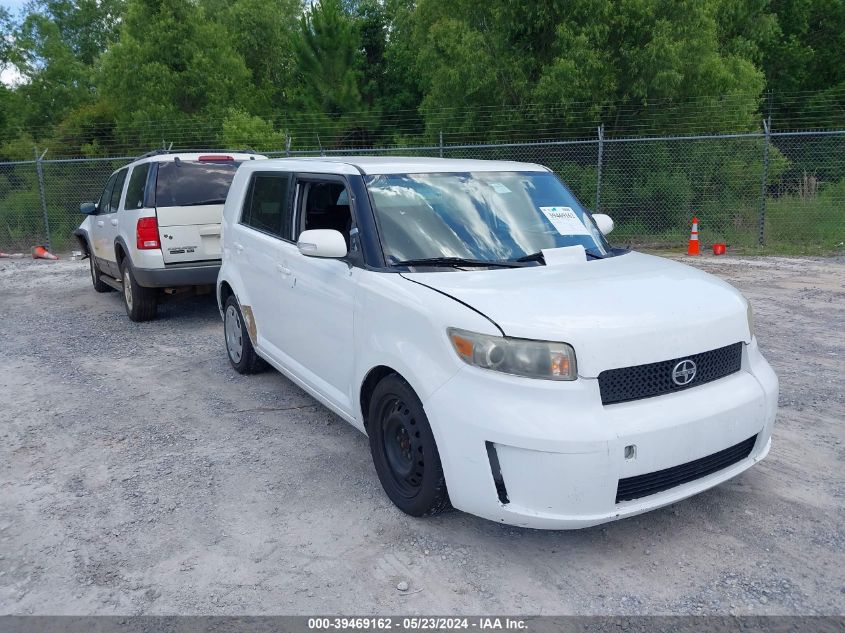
<point>116,191</point>
<point>267,206</point>
<point>103,204</point>
<point>137,184</point>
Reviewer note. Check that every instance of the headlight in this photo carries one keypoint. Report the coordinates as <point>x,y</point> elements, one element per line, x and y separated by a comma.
<point>750,315</point>
<point>520,357</point>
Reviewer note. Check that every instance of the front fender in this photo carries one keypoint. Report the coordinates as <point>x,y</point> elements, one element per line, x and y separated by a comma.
<point>402,325</point>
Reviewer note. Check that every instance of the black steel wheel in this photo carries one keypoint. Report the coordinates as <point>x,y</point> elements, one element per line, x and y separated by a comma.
<point>404,450</point>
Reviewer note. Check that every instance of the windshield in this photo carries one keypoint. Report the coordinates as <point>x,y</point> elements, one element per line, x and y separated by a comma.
<point>488,216</point>
<point>186,183</point>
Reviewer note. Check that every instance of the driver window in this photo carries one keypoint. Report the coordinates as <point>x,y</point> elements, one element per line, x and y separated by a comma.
<point>325,206</point>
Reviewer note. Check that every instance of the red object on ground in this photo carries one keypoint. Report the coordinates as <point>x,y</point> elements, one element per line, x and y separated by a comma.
<point>39,252</point>
<point>719,249</point>
<point>694,248</point>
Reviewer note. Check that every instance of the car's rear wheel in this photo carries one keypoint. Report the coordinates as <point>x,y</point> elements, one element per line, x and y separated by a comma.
<point>141,303</point>
<point>99,286</point>
<point>404,451</point>
<point>242,355</point>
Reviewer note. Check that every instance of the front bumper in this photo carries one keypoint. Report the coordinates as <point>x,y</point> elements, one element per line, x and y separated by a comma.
<point>562,453</point>
<point>175,275</point>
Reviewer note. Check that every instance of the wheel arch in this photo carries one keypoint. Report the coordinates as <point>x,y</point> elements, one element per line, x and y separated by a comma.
<point>83,240</point>
<point>121,252</point>
<point>224,291</point>
<point>374,376</point>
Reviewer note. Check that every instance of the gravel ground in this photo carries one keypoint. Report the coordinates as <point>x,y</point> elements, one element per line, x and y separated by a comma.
<point>140,474</point>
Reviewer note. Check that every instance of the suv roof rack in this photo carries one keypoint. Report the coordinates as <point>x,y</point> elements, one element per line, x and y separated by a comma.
<point>159,152</point>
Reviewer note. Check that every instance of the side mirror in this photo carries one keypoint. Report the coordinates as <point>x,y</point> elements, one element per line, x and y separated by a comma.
<point>322,243</point>
<point>88,208</point>
<point>604,222</point>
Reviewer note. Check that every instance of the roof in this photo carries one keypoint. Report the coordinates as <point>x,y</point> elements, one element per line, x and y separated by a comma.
<point>397,165</point>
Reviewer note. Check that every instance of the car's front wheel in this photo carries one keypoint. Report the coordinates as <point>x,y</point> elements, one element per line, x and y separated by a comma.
<point>404,451</point>
<point>141,303</point>
<point>242,355</point>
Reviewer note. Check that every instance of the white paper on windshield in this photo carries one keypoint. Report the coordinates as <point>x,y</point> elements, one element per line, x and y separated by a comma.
<point>565,220</point>
<point>499,187</point>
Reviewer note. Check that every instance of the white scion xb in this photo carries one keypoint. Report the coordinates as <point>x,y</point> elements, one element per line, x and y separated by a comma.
<point>471,318</point>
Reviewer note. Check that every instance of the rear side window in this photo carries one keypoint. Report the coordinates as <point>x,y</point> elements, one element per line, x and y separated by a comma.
<point>103,205</point>
<point>187,183</point>
<point>267,206</point>
<point>118,189</point>
<point>137,184</point>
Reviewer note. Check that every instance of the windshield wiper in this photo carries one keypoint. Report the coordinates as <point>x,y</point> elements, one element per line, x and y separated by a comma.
<point>457,262</point>
<point>202,202</point>
<point>538,256</point>
<point>533,257</point>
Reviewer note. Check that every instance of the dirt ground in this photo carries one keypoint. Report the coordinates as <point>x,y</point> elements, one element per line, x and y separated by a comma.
<point>140,474</point>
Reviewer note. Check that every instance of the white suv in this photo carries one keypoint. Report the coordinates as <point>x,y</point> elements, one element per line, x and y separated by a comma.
<point>157,226</point>
<point>472,319</point>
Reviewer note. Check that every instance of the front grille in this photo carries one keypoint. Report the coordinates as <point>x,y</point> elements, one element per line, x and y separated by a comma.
<point>643,485</point>
<point>655,379</point>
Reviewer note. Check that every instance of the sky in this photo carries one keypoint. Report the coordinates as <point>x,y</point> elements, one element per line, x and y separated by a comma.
<point>10,76</point>
<point>12,5</point>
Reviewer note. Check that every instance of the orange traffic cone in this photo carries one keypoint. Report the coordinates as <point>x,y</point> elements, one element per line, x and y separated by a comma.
<point>39,252</point>
<point>693,248</point>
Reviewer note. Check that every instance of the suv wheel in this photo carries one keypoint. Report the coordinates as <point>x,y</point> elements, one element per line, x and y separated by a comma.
<point>99,286</point>
<point>242,354</point>
<point>141,303</point>
<point>404,451</point>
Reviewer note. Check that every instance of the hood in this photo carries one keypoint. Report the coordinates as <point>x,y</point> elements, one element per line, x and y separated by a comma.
<point>621,311</point>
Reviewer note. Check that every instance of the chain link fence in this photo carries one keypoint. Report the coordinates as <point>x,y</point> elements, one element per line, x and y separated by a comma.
<point>784,190</point>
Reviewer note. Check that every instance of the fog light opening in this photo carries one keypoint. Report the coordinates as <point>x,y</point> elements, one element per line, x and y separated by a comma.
<point>496,470</point>
<point>631,451</point>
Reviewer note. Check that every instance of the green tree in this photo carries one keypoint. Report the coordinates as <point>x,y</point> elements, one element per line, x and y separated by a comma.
<point>328,54</point>
<point>172,76</point>
<point>583,59</point>
<point>264,33</point>
<point>806,57</point>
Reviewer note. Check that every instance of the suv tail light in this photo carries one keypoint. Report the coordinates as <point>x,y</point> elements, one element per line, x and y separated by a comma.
<point>147,234</point>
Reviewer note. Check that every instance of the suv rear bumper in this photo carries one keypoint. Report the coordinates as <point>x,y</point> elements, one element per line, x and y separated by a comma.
<point>172,275</point>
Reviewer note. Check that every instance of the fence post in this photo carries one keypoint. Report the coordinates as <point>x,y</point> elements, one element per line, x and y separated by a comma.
<point>441,143</point>
<point>40,170</point>
<point>761,220</point>
<point>287,145</point>
<point>598,171</point>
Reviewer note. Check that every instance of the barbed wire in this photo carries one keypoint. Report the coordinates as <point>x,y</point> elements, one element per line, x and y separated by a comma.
<point>532,121</point>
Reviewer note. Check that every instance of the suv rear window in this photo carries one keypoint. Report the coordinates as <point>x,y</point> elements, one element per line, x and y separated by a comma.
<point>186,183</point>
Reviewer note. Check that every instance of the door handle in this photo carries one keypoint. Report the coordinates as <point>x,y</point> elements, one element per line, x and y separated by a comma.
<point>284,270</point>
<point>114,222</point>
<point>100,223</point>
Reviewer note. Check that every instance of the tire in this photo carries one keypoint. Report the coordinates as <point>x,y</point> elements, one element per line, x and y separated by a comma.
<point>141,303</point>
<point>99,286</point>
<point>404,450</point>
<point>239,349</point>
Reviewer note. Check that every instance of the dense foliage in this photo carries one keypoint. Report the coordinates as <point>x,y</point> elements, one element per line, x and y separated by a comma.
<point>97,77</point>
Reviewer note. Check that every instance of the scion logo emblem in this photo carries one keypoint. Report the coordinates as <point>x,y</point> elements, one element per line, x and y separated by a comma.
<point>683,373</point>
